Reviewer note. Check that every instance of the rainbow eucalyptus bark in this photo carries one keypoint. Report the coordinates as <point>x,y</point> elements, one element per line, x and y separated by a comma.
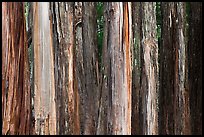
<point>16,100</point>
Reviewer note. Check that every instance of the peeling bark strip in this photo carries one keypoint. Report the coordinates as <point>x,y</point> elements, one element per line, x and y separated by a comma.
<point>174,95</point>
<point>67,116</point>
<point>44,87</point>
<point>117,68</point>
<point>90,64</point>
<point>16,110</point>
<point>149,69</point>
<point>195,66</point>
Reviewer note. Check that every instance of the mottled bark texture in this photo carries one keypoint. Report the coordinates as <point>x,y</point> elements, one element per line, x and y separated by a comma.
<point>149,64</point>
<point>174,95</point>
<point>90,65</point>
<point>44,84</point>
<point>137,117</point>
<point>66,94</point>
<point>195,66</point>
<point>16,100</point>
<point>115,109</point>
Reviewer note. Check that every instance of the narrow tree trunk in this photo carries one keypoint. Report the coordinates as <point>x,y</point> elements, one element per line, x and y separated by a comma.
<point>195,66</point>
<point>16,101</point>
<point>44,89</point>
<point>90,64</point>
<point>31,55</point>
<point>174,95</point>
<point>102,125</point>
<point>137,127</point>
<point>78,63</point>
<point>117,68</point>
<point>149,69</point>
<point>67,118</point>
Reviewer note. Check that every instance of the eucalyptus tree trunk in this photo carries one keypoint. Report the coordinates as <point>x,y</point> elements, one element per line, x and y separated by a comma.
<point>195,66</point>
<point>174,110</point>
<point>44,82</point>
<point>137,117</point>
<point>116,90</point>
<point>90,65</point>
<point>78,63</point>
<point>16,97</point>
<point>66,94</point>
<point>149,64</point>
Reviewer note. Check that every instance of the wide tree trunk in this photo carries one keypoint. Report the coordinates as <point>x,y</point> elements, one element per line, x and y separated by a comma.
<point>174,96</point>
<point>16,97</point>
<point>66,94</point>
<point>44,84</point>
<point>90,65</point>
<point>149,65</point>
<point>195,66</point>
<point>116,90</point>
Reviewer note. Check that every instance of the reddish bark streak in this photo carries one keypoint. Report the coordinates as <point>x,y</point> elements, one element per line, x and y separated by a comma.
<point>128,64</point>
<point>117,70</point>
<point>65,81</point>
<point>15,81</point>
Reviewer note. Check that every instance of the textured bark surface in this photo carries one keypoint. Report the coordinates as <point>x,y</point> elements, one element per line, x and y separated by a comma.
<point>137,127</point>
<point>149,69</point>
<point>195,66</point>
<point>44,84</point>
<point>16,101</point>
<point>29,23</point>
<point>78,62</point>
<point>90,64</point>
<point>116,90</point>
<point>174,109</point>
<point>66,94</point>
<point>102,125</point>
<point>64,91</point>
